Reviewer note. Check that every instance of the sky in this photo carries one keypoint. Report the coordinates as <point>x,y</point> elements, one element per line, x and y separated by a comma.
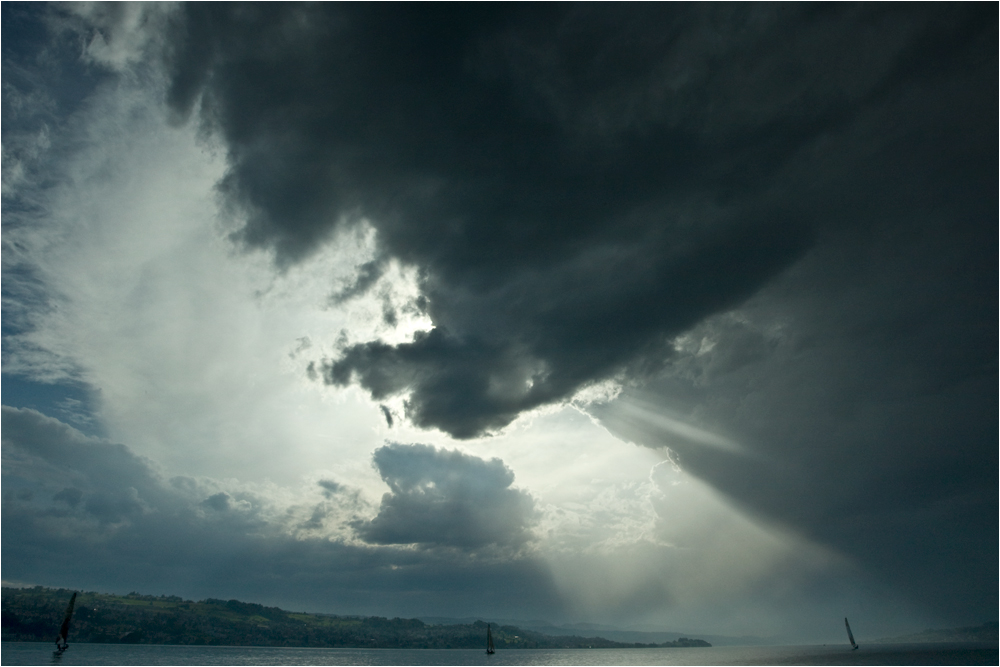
<point>662,316</point>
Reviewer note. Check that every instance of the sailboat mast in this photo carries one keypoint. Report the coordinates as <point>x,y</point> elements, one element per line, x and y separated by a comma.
<point>850,635</point>
<point>61,642</point>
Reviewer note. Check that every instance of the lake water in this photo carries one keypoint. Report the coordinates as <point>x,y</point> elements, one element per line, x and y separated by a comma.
<point>22,653</point>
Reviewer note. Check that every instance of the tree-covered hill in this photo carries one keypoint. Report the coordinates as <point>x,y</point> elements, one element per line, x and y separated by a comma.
<point>34,614</point>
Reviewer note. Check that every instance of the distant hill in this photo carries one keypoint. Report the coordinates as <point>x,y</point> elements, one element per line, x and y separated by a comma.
<point>34,614</point>
<point>987,632</point>
<point>642,636</point>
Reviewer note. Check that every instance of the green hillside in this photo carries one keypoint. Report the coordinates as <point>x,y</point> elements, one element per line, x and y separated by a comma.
<point>34,614</point>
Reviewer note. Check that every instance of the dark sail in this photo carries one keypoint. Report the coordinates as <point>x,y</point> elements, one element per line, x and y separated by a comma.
<point>489,641</point>
<point>61,642</point>
<point>850,635</point>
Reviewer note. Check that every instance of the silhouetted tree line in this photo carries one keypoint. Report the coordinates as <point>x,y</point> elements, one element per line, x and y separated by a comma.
<point>34,614</point>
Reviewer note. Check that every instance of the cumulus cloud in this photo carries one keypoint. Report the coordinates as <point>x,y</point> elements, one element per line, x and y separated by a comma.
<point>442,498</point>
<point>218,501</point>
<point>106,482</point>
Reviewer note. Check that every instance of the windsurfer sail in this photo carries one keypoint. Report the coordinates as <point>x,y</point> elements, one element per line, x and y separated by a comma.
<point>850,635</point>
<point>490,650</point>
<point>61,643</point>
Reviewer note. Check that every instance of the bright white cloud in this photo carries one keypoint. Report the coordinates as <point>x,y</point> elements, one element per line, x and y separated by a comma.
<point>198,352</point>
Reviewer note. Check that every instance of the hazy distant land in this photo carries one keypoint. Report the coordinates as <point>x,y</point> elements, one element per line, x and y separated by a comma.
<point>987,632</point>
<point>34,614</point>
<point>640,635</point>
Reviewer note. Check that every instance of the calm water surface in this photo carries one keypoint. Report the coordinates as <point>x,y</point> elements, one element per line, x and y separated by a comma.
<point>20,653</point>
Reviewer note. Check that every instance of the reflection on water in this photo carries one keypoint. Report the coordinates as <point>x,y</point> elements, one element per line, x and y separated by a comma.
<point>20,653</point>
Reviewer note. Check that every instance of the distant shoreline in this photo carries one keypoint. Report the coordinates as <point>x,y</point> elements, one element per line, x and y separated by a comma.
<point>33,615</point>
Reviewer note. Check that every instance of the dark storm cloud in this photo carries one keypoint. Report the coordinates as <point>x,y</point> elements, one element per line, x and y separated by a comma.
<point>446,498</point>
<point>70,496</point>
<point>367,275</point>
<point>576,184</point>
<point>863,380</point>
<point>218,501</point>
<point>110,485</point>
<point>81,512</point>
<point>387,414</point>
<point>329,487</point>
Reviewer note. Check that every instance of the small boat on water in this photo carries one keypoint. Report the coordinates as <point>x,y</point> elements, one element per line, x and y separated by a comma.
<point>61,641</point>
<point>490,650</point>
<point>850,635</point>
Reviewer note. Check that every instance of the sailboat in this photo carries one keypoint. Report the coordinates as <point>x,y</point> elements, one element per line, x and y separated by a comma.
<point>61,643</point>
<point>850,635</point>
<point>490,650</point>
